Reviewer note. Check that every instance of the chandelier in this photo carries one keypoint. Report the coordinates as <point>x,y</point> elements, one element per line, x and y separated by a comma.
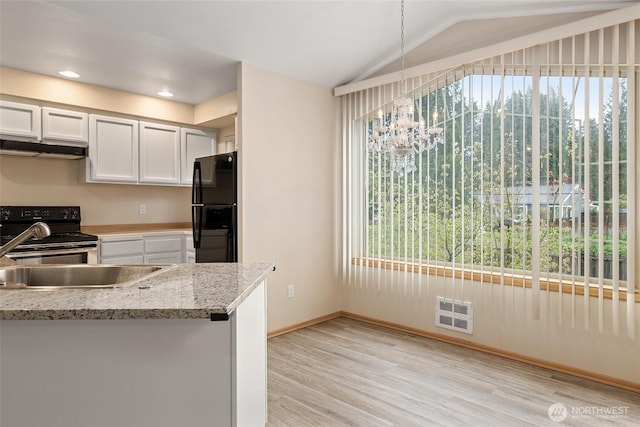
<point>402,133</point>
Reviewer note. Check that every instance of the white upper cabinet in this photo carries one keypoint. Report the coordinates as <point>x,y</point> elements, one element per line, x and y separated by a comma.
<point>195,143</point>
<point>65,126</point>
<point>120,150</point>
<point>159,153</point>
<point>113,150</point>
<point>20,121</point>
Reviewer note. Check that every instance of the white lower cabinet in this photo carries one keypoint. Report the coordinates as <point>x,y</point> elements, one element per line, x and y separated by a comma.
<point>138,248</point>
<point>169,258</point>
<point>121,250</point>
<point>127,259</point>
<point>164,249</point>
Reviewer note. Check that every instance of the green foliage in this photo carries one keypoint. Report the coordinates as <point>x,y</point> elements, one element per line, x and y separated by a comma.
<point>467,195</point>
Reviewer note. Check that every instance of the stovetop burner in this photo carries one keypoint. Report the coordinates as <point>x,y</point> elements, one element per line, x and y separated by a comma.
<point>63,221</point>
<point>54,238</point>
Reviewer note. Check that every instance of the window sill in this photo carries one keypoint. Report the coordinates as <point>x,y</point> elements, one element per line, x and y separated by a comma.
<point>484,276</point>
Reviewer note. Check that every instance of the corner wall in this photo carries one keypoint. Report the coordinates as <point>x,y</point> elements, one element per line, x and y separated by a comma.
<point>288,149</point>
<point>502,320</point>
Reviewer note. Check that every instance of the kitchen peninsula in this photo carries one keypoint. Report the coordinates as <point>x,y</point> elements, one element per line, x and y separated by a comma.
<point>186,346</point>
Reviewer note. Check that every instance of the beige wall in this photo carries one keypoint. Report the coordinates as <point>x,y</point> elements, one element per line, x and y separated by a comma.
<point>52,91</point>
<point>47,90</point>
<point>288,150</point>
<point>30,180</point>
<point>221,106</point>
<point>502,319</point>
<point>222,134</point>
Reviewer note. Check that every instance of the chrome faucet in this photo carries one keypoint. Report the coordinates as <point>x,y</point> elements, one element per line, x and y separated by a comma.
<point>39,230</point>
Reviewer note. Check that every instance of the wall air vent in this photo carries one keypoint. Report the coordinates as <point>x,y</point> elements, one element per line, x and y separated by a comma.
<point>455,315</point>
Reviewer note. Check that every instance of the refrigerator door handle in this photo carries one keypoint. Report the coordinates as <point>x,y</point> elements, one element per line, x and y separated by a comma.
<point>196,189</point>
<point>231,249</point>
<point>196,220</point>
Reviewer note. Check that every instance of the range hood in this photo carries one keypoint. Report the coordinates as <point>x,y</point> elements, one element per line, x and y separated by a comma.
<point>34,149</point>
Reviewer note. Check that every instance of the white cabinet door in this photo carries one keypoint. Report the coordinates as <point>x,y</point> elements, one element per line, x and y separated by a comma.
<point>127,250</point>
<point>113,150</point>
<point>127,259</point>
<point>134,248</point>
<point>65,126</point>
<point>195,143</point>
<point>164,249</point>
<point>164,258</point>
<point>163,243</point>
<point>159,153</point>
<point>20,121</point>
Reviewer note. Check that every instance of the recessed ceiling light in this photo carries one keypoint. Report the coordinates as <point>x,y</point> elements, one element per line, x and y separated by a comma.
<point>70,74</point>
<point>165,94</point>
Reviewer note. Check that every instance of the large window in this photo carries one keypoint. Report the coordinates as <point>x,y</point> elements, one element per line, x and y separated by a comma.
<point>529,166</point>
<point>533,187</point>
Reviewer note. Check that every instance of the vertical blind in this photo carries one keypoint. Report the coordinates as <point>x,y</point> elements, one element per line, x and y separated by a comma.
<point>534,185</point>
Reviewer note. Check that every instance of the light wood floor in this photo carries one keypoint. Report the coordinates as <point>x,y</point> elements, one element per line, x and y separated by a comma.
<point>348,373</point>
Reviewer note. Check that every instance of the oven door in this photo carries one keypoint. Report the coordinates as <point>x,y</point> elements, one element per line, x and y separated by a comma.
<point>79,255</point>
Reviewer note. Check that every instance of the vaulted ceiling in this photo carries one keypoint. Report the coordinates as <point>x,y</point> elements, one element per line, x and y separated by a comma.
<point>191,48</point>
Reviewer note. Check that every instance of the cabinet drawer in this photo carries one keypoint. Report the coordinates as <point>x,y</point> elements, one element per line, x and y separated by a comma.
<point>120,248</point>
<point>164,258</point>
<point>162,244</point>
<point>65,126</point>
<point>129,259</point>
<point>20,120</point>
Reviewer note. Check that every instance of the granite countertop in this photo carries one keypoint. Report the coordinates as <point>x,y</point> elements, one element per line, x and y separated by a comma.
<point>137,228</point>
<point>183,291</point>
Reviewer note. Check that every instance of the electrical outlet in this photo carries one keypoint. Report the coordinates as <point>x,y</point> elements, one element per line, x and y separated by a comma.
<point>142,209</point>
<point>290,291</point>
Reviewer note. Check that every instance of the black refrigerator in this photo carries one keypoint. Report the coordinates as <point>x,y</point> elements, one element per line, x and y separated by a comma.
<point>214,208</point>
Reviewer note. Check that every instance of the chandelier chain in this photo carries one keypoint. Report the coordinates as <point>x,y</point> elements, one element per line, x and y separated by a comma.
<point>404,84</point>
<point>401,132</point>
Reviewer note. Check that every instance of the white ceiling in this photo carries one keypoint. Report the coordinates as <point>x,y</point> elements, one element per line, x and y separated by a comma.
<point>191,48</point>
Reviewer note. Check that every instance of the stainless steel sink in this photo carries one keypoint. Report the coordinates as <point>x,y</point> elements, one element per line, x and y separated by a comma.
<point>74,276</point>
